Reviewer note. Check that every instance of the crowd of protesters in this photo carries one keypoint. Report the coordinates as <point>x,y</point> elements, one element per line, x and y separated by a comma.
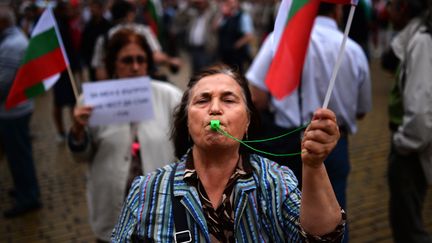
<point>189,25</point>
<point>175,26</point>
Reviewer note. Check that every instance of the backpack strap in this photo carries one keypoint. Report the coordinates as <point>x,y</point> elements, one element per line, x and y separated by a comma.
<point>182,232</point>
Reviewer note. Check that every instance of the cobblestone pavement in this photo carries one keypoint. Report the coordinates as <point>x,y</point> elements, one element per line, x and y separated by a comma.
<point>64,215</point>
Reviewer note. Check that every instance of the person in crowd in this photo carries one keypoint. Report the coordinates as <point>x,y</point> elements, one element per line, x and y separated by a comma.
<point>97,25</point>
<point>217,191</point>
<point>63,94</point>
<point>149,13</point>
<point>410,116</point>
<point>351,97</point>
<point>380,28</point>
<point>14,122</point>
<point>123,16</point>
<point>201,37</point>
<point>30,14</point>
<point>107,149</point>
<point>263,15</point>
<point>76,26</point>
<point>235,34</point>
<point>170,43</point>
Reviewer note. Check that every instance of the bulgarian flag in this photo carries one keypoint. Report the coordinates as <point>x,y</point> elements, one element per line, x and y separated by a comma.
<point>151,15</point>
<point>42,63</point>
<point>292,30</point>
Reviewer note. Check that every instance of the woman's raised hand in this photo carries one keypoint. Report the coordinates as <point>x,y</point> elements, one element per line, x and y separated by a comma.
<point>81,115</point>
<point>320,138</point>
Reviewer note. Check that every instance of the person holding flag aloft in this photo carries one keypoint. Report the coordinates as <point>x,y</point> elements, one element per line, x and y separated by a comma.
<point>220,192</point>
<point>43,60</point>
<point>294,108</point>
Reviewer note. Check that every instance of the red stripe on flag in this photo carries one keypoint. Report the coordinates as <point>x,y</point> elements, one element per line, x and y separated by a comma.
<point>15,99</point>
<point>287,65</point>
<point>34,72</point>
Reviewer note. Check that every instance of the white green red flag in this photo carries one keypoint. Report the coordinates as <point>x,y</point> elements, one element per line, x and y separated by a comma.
<point>43,61</point>
<point>292,30</point>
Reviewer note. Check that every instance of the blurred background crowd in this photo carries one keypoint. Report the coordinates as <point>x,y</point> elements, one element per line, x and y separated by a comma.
<point>183,26</point>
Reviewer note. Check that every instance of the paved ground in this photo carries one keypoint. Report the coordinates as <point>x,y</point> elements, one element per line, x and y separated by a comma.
<point>64,215</point>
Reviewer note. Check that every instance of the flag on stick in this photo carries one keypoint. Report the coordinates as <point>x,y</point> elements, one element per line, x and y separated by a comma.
<point>292,30</point>
<point>44,60</point>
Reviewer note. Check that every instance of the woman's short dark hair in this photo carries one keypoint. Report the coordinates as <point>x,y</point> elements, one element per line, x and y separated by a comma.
<point>180,133</point>
<point>120,39</point>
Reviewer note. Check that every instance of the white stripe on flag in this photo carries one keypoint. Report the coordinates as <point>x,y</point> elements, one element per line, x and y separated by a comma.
<point>280,23</point>
<point>44,23</point>
<point>50,81</point>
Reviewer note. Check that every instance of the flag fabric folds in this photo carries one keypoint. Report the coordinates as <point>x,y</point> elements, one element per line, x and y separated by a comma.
<point>292,30</point>
<point>291,37</point>
<point>42,64</point>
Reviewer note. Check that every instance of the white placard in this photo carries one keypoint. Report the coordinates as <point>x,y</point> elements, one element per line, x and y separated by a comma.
<point>119,101</point>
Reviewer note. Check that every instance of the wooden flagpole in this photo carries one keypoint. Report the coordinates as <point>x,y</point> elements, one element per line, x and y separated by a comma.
<point>73,82</point>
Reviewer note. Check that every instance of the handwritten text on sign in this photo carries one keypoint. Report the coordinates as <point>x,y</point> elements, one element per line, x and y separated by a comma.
<point>119,101</point>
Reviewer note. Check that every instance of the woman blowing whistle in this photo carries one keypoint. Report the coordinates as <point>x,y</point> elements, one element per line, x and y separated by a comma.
<point>223,193</point>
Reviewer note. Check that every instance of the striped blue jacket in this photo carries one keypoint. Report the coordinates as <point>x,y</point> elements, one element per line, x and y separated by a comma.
<point>266,206</point>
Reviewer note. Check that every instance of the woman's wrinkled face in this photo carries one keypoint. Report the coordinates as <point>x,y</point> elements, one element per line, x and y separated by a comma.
<point>217,97</point>
<point>131,61</point>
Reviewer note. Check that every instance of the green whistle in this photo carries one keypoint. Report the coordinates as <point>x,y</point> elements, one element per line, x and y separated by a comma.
<point>214,125</point>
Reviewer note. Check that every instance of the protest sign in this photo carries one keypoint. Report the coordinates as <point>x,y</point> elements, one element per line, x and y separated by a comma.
<point>119,101</point>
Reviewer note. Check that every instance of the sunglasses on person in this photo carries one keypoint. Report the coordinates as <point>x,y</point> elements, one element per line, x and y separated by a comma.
<point>128,60</point>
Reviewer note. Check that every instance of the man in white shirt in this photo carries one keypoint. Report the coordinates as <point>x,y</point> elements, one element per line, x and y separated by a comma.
<point>351,97</point>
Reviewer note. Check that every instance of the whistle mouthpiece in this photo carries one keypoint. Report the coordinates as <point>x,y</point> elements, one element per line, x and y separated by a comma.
<point>214,125</point>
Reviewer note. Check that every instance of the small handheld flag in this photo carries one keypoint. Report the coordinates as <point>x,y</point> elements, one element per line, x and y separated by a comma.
<point>291,38</point>
<point>44,60</point>
<point>292,30</point>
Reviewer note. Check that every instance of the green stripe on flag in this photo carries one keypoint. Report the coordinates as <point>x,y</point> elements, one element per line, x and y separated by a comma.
<point>41,44</point>
<point>35,90</point>
<point>295,6</point>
